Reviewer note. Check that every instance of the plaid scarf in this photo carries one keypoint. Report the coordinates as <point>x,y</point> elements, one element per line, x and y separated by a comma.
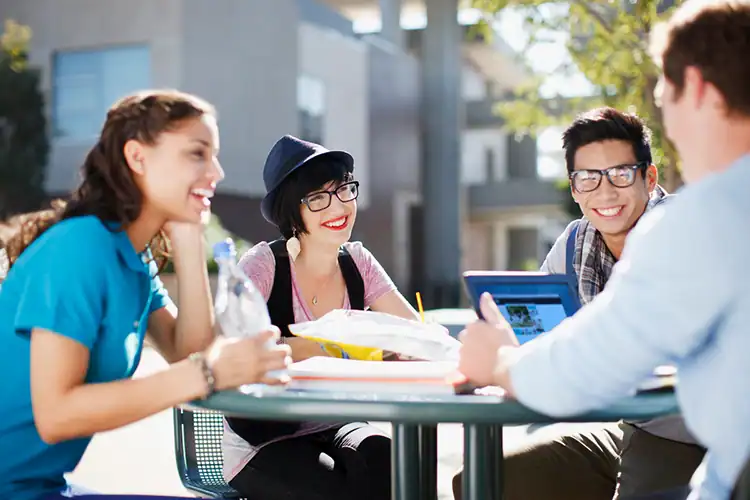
<point>593,262</point>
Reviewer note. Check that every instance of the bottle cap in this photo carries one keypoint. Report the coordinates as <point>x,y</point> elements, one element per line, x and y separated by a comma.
<point>224,249</point>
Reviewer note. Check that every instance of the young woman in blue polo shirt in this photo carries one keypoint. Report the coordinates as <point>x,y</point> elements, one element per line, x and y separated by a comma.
<point>82,291</point>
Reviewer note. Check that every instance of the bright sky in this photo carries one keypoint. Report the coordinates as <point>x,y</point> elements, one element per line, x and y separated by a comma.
<point>542,58</point>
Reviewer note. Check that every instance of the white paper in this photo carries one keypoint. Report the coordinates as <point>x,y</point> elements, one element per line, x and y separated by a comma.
<point>427,341</point>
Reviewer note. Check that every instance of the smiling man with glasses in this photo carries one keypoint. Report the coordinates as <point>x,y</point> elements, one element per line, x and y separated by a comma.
<point>680,292</point>
<point>612,177</point>
<point>614,181</point>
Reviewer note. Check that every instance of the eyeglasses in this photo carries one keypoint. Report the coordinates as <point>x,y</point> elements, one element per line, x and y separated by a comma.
<point>620,176</point>
<point>320,200</point>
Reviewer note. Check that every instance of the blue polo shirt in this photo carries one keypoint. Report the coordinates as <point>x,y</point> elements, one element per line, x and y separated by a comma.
<point>84,281</point>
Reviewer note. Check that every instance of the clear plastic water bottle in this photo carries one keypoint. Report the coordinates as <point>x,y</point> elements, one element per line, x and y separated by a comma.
<point>239,307</point>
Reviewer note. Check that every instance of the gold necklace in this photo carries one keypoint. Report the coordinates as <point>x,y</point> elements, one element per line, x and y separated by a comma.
<point>315,296</point>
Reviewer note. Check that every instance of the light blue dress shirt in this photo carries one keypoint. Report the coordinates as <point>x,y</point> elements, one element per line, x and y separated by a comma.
<point>679,295</point>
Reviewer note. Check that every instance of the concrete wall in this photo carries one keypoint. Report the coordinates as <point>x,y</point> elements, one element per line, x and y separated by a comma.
<point>227,52</point>
<point>475,157</point>
<point>478,246</point>
<point>395,158</point>
<point>342,64</point>
<point>473,84</point>
<point>240,56</point>
<point>92,24</point>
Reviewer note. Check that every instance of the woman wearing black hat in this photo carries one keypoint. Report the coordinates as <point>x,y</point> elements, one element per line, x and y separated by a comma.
<point>311,271</point>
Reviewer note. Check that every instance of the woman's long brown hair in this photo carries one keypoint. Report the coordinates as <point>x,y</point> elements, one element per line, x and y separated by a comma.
<point>107,189</point>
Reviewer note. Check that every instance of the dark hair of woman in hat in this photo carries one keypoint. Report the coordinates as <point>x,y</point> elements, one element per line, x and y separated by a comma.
<point>312,199</point>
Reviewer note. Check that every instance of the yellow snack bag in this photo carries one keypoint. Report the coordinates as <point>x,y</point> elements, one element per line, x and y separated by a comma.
<point>347,351</point>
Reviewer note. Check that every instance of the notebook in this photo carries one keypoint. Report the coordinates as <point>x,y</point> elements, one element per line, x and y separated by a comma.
<point>347,375</point>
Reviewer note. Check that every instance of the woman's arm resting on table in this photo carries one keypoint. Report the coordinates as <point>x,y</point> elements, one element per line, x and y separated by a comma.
<point>177,335</point>
<point>303,349</point>
<point>65,407</point>
<point>394,303</point>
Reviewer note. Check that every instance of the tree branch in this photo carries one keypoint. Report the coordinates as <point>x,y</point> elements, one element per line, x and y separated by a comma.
<point>596,16</point>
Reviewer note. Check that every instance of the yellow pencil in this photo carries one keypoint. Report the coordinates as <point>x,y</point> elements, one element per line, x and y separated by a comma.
<point>419,305</point>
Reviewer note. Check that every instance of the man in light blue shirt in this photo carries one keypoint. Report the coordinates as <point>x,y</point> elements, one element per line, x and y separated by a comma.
<point>680,293</point>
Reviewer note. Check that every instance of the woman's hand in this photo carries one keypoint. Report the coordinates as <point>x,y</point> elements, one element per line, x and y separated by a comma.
<point>303,349</point>
<point>184,235</point>
<point>236,362</point>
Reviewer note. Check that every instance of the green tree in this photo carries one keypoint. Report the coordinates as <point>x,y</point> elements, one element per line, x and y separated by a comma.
<point>23,128</point>
<point>608,43</point>
<point>214,233</point>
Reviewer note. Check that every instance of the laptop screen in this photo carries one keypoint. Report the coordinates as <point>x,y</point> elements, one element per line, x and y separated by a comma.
<point>533,303</point>
<point>532,316</point>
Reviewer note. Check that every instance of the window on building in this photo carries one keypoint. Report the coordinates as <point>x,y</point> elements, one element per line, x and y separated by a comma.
<point>489,164</point>
<point>87,82</point>
<point>311,108</point>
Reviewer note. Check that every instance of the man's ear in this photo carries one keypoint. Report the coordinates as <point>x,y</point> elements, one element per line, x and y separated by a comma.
<point>652,177</point>
<point>573,193</point>
<point>134,153</point>
<point>695,86</point>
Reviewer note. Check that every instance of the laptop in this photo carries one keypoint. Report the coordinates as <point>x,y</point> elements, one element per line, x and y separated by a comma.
<point>533,303</point>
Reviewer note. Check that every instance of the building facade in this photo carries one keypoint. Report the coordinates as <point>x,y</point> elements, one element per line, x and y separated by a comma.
<point>274,67</point>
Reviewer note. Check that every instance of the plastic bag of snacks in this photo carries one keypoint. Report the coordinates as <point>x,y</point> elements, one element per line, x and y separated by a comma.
<point>374,336</point>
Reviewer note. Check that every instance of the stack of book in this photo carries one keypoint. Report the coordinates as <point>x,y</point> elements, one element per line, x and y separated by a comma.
<point>377,377</point>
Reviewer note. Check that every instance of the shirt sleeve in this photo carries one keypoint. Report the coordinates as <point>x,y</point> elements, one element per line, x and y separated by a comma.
<point>259,265</point>
<point>63,287</point>
<point>377,282</point>
<point>556,260</point>
<point>159,294</point>
<point>657,308</point>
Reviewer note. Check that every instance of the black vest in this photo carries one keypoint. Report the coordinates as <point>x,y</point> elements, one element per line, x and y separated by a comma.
<point>281,310</point>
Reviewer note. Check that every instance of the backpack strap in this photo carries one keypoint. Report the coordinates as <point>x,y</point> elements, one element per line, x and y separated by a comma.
<point>663,199</point>
<point>281,310</point>
<point>570,252</point>
<point>355,285</point>
<point>280,302</point>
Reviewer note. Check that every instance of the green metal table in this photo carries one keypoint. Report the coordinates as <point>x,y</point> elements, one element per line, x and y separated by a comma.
<point>415,419</point>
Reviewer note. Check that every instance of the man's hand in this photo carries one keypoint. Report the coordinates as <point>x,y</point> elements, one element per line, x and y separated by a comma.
<point>481,341</point>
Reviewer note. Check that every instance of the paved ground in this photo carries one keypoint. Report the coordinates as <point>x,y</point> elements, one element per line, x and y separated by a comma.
<point>140,458</point>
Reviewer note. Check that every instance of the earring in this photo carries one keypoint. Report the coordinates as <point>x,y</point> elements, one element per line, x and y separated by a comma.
<point>293,247</point>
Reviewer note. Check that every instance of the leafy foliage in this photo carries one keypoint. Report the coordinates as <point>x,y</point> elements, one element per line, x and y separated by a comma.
<point>23,128</point>
<point>215,233</point>
<point>607,41</point>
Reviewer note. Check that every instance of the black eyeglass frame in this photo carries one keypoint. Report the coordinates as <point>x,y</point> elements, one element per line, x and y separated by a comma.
<point>606,173</point>
<point>306,199</point>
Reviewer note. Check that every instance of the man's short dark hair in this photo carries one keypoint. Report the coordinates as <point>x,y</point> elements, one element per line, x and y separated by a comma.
<point>715,39</point>
<point>307,179</point>
<point>604,124</point>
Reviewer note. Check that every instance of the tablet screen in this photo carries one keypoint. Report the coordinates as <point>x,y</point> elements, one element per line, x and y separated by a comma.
<point>531,317</point>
